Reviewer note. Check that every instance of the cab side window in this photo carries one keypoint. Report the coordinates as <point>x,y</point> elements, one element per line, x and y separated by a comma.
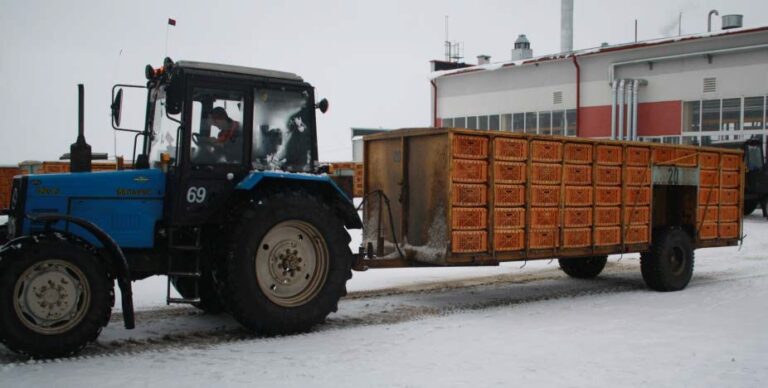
<point>217,126</point>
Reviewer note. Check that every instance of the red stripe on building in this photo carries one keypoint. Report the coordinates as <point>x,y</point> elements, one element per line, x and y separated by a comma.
<point>659,118</point>
<point>595,121</point>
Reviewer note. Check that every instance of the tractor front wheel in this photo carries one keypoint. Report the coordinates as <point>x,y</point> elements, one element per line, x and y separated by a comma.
<point>288,264</point>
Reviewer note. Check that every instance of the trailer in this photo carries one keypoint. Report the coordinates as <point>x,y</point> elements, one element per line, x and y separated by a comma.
<point>455,197</point>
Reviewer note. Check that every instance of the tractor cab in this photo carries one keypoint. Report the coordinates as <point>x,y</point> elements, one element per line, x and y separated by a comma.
<point>756,178</point>
<point>210,125</point>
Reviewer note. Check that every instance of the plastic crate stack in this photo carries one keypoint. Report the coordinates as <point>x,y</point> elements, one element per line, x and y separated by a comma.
<point>469,194</point>
<point>579,196</point>
<point>718,210</point>
<point>509,179</point>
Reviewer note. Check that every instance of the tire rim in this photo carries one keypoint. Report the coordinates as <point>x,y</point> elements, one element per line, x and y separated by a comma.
<point>292,263</point>
<point>51,297</point>
<point>677,261</point>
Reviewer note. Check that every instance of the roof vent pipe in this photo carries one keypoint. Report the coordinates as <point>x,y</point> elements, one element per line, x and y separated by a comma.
<point>614,87</point>
<point>620,106</point>
<point>635,89</point>
<point>630,112</point>
<point>566,26</point>
<point>709,19</point>
<point>732,21</point>
<point>483,59</point>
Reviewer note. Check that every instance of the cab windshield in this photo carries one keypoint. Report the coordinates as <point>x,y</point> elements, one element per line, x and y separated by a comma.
<point>162,130</point>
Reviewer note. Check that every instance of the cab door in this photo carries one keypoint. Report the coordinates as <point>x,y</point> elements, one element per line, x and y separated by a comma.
<point>215,151</point>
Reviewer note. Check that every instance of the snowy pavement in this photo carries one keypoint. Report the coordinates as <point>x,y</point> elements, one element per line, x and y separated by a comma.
<point>459,327</point>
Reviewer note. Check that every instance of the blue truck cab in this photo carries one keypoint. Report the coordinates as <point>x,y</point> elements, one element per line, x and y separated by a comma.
<point>226,197</point>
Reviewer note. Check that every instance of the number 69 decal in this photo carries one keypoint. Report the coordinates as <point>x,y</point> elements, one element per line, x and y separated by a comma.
<point>196,194</point>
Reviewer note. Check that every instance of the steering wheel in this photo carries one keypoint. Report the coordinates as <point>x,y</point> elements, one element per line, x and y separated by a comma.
<point>198,139</point>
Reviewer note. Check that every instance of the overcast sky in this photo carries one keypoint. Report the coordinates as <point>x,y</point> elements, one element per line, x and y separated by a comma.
<point>369,58</point>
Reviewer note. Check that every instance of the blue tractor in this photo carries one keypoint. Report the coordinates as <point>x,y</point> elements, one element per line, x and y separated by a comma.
<point>226,198</point>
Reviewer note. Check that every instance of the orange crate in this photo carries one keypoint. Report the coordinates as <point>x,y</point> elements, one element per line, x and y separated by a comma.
<point>605,216</point>
<point>608,196</point>
<point>730,179</point>
<point>546,151</point>
<point>729,197</point>
<point>663,155</point>
<point>607,235</point>
<point>709,160</point>
<point>638,176</point>
<point>507,195</point>
<point>469,241</point>
<point>509,240</point>
<point>731,162</point>
<point>728,230</point>
<point>469,218</point>
<point>546,173</point>
<point>578,175</point>
<point>709,178</point>
<point>542,217</point>
<point>729,214</point>
<point>637,196</point>
<point>510,149</point>
<point>5,202</point>
<point>708,215</point>
<point>608,175</point>
<point>638,156</point>
<point>577,237</point>
<point>471,171</point>
<point>470,147</point>
<point>685,157</point>
<point>545,195</point>
<point>708,196</point>
<point>608,154</point>
<point>544,238</point>
<point>708,230</point>
<point>578,153</point>
<point>469,195</point>
<point>505,218</point>
<point>636,234</point>
<point>578,216</point>
<point>638,215</point>
<point>509,172</point>
<point>578,195</point>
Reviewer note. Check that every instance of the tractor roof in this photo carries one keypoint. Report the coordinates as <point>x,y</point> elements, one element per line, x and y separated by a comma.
<point>251,71</point>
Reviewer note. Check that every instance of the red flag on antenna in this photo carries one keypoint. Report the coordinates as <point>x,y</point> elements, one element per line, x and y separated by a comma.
<point>172,21</point>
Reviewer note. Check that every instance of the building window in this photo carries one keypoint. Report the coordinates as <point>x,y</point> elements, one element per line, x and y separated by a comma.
<point>545,123</point>
<point>447,123</point>
<point>472,122</point>
<point>460,122</point>
<point>482,122</point>
<point>493,122</point>
<point>731,115</point>
<point>570,122</point>
<point>691,116</point>
<point>753,113</point>
<point>518,122</point>
<point>558,122</point>
<point>506,122</point>
<point>710,115</point>
<point>530,122</point>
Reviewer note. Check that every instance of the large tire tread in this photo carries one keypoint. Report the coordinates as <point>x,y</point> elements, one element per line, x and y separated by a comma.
<point>655,266</point>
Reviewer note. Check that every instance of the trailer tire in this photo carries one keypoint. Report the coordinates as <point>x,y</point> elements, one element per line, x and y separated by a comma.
<point>749,206</point>
<point>210,302</point>
<point>583,267</point>
<point>53,278</point>
<point>288,264</point>
<point>668,266</point>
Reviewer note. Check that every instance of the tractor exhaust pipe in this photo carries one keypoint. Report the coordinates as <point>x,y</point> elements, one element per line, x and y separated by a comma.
<point>80,151</point>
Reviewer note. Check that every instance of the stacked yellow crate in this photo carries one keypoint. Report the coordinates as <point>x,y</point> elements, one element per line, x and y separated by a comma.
<point>730,181</point>
<point>546,177</point>
<point>607,217</point>
<point>709,183</point>
<point>637,195</point>
<point>577,179</point>
<point>509,167</point>
<point>469,194</point>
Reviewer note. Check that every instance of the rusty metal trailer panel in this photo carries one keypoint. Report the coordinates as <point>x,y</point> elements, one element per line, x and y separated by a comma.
<point>466,197</point>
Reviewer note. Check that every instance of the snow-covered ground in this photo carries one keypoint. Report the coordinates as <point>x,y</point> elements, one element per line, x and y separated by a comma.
<point>506,325</point>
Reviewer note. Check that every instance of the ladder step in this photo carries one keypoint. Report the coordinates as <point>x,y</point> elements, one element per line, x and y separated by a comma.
<point>185,274</point>
<point>183,300</point>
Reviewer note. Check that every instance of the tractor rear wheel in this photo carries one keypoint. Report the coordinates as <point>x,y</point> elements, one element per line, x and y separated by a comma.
<point>288,264</point>
<point>55,297</point>
<point>668,266</point>
<point>583,267</point>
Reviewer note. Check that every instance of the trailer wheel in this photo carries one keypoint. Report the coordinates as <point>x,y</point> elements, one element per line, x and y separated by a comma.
<point>749,206</point>
<point>288,264</point>
<point>209,298</point>
<point>668,266</point>
<point>583,267</point>
<point>55,298</point>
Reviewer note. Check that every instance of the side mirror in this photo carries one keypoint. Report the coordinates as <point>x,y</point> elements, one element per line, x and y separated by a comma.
<point>117,107</point>
<point>322,105</point>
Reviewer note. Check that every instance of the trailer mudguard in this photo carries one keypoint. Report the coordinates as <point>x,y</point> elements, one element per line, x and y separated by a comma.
<point>118,261</point>
<point>323,184</point>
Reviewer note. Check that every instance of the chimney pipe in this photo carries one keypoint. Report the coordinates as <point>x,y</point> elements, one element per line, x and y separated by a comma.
<point>709,19</point>
<point>483,59</point>
<point>566,26</point>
